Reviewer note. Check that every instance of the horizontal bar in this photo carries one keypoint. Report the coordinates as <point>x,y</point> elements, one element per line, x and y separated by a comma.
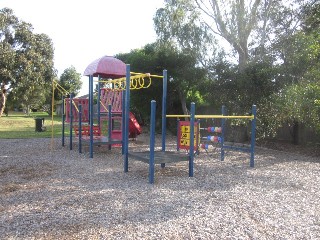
<point>210,116</point>
<point>156,76</point>
<point>117,80</point>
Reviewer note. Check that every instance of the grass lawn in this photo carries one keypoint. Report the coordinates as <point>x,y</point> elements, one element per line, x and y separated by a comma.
<point>19,125</point>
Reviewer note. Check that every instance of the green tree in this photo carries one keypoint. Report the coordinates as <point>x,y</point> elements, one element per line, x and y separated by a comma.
<point>185,77</point>
<point>238,91</point>
<point>70,80</point>
<point>248,27</point>
<point>144,61</point>
<point>178,24</point>
<point>311,17</point>
<point>294,106</point>
<point>296,102</point>
<point>26,67</point>
<point>234,21</point>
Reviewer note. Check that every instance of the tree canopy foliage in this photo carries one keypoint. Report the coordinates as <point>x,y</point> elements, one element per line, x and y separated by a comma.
<point>26,67</point>
<point>70,80</point>
<point>277,47</point>
<point>234,53</point>
<point>297,100</point>
<point>185,78</point>
<point>244,25</point>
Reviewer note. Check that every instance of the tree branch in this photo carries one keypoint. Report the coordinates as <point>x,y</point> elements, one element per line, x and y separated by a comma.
<point>252,18</point>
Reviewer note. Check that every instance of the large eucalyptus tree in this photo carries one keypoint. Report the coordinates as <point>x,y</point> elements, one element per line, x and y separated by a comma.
<point>194,23</point>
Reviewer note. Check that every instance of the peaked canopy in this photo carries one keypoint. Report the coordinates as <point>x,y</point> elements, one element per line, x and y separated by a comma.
<point>106,67</point>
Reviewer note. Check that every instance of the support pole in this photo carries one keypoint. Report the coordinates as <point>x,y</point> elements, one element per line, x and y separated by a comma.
<point>123,96</point>
<point>152,140</point>
<point>109,125</point>
<point>126,120</point>
<point>71,120</point>
<point>164,112</point>
<point>91,115</point>
<point>253,134</point>
<point>191,150</point>
<point>223,122</point>
<point>80,129</point>
<point>98,102</point>
<point>63,121</point>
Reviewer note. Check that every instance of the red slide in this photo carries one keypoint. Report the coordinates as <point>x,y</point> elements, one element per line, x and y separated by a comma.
<point>134,127</point>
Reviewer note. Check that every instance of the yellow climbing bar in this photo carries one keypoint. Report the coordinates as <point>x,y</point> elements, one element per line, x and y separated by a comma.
<point>59,87</point>
<point>211,116</point>
<point>155,76</point>
<point>64,92</point>
<point>75,106</point>
<point>104,106</point>
<point>136,82</point>
<point>133,77</point>
<point>73,103</point>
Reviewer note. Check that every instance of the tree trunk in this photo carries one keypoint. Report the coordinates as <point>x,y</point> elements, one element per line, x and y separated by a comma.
<point>183,101</point>
<point>28,110</point>
<point>243,57</point>
<point>237,28</point>
<point>295,133</point>
<point>3,99</point>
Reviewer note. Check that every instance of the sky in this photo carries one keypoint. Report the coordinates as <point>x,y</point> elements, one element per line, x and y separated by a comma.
<point>83,31</point>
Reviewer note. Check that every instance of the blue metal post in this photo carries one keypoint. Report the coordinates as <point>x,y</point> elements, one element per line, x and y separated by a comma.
<point>126,120</point>
<point>109,125</point>
<point>71,120</point>
<point>89,107</point>
<point>80,129</point>
<point>223,122</point>
<point>164,111</point>
<point>98,103</point>
<point>152,140</point>
<point>63,121</point>
<point>91,115</point>
<point>253,134</point>
<point>123,96</point>
<point>191,150</point>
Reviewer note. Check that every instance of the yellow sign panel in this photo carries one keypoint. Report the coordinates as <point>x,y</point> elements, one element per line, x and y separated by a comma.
<point>185,135</point>
<point>185,129</point>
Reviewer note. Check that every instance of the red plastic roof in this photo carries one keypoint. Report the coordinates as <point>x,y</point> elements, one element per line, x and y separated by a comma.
<point>106,67</point>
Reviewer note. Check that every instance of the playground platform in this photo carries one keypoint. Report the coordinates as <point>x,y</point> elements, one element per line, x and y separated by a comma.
<point>159,156</point>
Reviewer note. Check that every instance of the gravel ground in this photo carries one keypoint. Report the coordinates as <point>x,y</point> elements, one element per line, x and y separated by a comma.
<point>50,192</point>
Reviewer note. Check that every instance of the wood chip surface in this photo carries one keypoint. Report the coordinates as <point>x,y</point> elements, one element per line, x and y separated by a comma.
<point>50,192</point>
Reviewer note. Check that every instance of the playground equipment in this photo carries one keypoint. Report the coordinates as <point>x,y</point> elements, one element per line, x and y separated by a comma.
<point>209,142</point>
<point>153,157</point>
<point>116,110</point>
<point>113,96</point>
<point>183,135</point>
<point>65,93</point>
<point>188,132</point>
<point>109,72</point>
<point>110,98</point>
<point>219,138</point>
<point>75,110</point>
